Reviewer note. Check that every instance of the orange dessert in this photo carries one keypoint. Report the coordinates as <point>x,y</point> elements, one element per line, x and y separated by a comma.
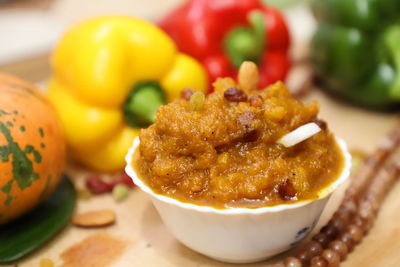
<point>227,150</point>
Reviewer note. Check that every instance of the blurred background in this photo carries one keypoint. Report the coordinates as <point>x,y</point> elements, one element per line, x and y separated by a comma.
<point>29,29</point>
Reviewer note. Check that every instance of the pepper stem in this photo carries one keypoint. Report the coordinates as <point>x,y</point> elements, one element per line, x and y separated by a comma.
<point>142,103</point>
<point>392,40</point>
<point>247,43</point>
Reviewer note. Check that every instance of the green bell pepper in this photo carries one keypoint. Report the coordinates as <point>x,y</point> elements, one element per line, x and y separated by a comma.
<point>355,51</point>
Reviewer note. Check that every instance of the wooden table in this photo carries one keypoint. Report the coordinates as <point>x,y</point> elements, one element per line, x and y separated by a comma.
<point>150,244</point>
<point>148,241</point>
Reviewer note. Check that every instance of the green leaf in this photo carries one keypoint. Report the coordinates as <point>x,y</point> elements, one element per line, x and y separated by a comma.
<point>20,237</point>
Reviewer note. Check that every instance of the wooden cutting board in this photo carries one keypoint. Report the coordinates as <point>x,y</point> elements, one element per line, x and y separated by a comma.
<point>149,243</point>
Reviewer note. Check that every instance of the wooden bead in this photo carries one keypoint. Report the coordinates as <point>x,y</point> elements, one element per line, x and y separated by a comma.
<point>330,231</point>
<point>314,248</point>
<point>278,264</point>
<point>318,261</point>
<point>322,239</point>
<point>349,205</point>
<point>347,240</point>
<point>340,248</point>
<point>304,256</point>
<point>373,203</point>
<point>355,232</point>
<point>331,257</point>
<point>366,211</point>
<point>360,222</point>
<point>368,224</point>
<point>293,262</point>
<point>338,223</point>
<point>342,214</point>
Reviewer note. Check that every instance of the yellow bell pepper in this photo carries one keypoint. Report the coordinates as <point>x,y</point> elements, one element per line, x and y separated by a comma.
<point>110,75</point>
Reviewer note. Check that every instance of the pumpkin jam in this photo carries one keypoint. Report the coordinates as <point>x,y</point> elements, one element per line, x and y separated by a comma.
<point>224,151</point>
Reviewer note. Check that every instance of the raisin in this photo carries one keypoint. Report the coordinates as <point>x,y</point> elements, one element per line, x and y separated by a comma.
<point>250,136</point>
<point>256,101</point>
<point>97,186</point>
<point>196,101</point>
<point>286,190</point>
<point>122,178</point>
<point>187,93</point>
<point>235,95</point>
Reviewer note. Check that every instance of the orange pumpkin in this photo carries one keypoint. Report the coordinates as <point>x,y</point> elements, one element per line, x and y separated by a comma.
<point>32,148</point>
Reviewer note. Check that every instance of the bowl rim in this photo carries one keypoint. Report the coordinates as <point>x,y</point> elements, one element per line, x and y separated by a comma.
<point>324,193</point>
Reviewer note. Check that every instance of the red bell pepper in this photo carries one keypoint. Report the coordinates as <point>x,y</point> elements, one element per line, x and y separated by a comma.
<point>223,33</point>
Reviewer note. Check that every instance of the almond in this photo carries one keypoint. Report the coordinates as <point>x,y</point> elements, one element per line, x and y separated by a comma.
<point>95,218</point>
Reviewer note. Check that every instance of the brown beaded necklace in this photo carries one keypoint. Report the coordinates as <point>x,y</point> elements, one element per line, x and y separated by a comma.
<point>356,214</point>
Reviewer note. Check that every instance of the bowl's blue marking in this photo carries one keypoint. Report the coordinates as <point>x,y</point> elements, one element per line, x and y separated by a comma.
<point>303,232</point>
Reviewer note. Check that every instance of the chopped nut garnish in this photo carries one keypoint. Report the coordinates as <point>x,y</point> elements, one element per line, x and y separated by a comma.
<point>299,134</point>
<point>248,76</point>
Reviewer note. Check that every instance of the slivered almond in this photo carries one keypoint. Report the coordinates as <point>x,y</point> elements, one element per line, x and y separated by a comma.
<point>299,135</point>
<point>97,218</point>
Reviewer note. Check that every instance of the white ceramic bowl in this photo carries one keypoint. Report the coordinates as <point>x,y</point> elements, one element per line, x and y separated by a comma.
<point>239,235</point>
